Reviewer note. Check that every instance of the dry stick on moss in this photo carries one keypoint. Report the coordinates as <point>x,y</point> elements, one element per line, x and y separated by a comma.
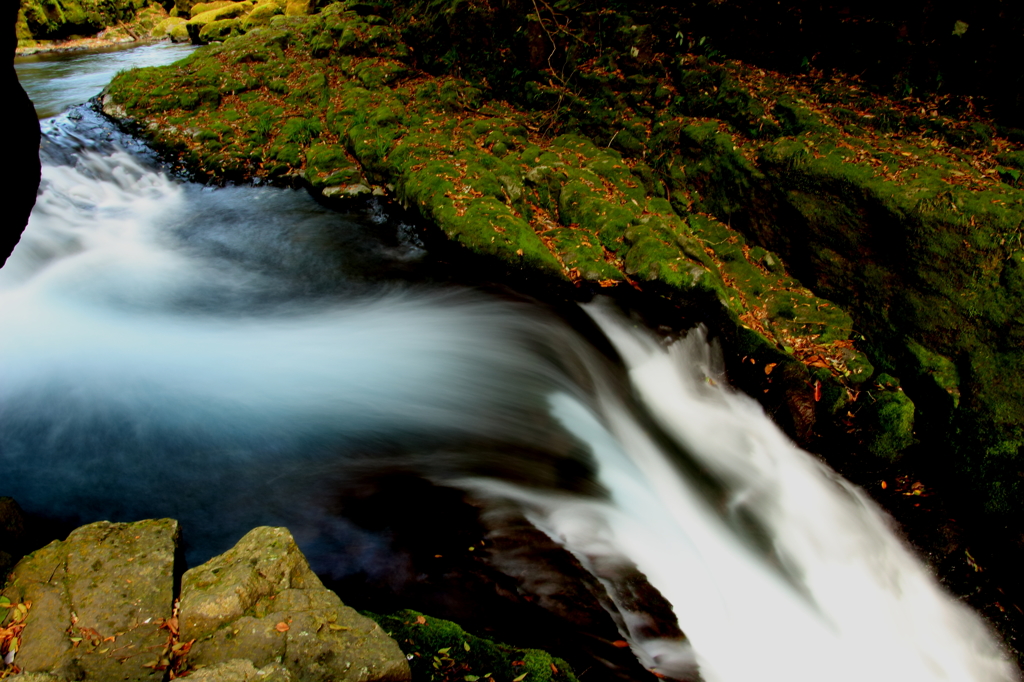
<point>127,29</point>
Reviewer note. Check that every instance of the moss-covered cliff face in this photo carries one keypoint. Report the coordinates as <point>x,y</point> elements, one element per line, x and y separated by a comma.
<point>579,143</point>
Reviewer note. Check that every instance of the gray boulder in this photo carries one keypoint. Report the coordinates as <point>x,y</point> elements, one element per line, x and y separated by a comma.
<point>241,670</point>
<point>261,602</point>
<point>98,600</point>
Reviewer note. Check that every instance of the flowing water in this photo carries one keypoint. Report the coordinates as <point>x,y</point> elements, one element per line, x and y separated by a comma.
<point>242,356</point>
<point>56,81</point>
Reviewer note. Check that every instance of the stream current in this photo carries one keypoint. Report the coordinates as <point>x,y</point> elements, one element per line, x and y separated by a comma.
<point>242,356</point>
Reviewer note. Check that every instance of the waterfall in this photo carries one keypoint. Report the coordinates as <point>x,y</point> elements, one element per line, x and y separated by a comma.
<point>833,593</point>
<point>228,356</point>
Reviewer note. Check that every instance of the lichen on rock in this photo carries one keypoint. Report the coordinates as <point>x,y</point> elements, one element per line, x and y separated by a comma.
<point>98,600</point>
<point>259,601</point>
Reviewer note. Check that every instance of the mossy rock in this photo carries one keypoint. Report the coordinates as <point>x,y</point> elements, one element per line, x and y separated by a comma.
<point>220,30</point>
<point>183,8</point>
<point>890,423</point>
<point>202,7</point>
<point>441,651</point>
<point>261,15</point>
<point>178,32</point>
<point>329,166</point>
<point>219,16</point>
<point>149,17</point>
<point>167,26</point>
<point>232,10</point>
<point>299,8</point>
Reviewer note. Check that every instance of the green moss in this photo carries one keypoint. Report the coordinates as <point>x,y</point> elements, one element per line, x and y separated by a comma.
<point>261,15</point>
<point>288,154</point>
<point>201,7</point>
<point>441,651</point>
<point>378,74</point>
<point>166,27</point>
<point>221,29</point>
<point>301,131</point>
<point>796,118</point>
<point>890,424</point>
<point>328,165</point>
<point>940,369</point>
<point>217,23</point>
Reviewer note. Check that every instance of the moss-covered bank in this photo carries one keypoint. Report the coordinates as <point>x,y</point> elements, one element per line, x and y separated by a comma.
<point>580,144</point>
<point>336,102</point>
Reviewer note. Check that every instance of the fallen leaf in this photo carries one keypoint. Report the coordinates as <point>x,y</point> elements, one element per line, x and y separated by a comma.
<point>282,627</point>
<point>420,620</point>
<point>171,624</point>
<point>769,367</point>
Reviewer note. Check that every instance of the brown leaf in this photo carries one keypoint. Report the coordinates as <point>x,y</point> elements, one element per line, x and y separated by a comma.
<point>769,367</point>
<point>171,624</point>
<point>282,627</point>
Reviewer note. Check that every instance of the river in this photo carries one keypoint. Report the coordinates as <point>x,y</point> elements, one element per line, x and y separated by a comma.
<point>242,356</point>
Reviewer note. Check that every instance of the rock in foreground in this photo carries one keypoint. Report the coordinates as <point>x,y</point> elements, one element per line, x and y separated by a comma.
<point>98,600</point>
<point>100,606</point>
<point>260,601</point>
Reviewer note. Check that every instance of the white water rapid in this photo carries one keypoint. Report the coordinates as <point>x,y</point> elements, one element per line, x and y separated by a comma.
<point>843,599</point>
<point>222,356</point>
